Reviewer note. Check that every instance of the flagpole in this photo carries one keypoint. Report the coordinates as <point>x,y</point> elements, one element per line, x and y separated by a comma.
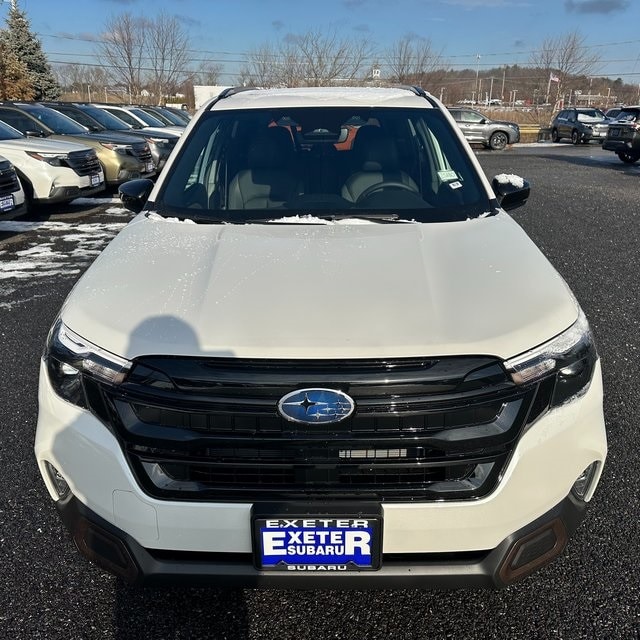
<point>548,88</point>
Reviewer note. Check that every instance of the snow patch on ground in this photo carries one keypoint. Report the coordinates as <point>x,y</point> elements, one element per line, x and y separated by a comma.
<point>55,250</point>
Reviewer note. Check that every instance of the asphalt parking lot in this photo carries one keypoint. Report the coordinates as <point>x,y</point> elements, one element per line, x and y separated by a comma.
<point>583,214</point>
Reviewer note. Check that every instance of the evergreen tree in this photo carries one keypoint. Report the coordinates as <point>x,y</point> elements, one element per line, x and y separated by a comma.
<point>26,48</point>
<point>15,83</point>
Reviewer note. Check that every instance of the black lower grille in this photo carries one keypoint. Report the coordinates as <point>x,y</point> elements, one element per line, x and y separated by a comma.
<point>142,152</point>
<point>84,163</point>
<point>8,179</point>
<point>422,429</point>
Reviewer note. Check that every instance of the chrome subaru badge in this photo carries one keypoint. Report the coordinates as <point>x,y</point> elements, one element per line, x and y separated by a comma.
<point>316,406</point>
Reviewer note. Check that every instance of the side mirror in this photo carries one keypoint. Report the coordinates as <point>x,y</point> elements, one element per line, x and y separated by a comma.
<point>35,134</point>
<point>511,191</point>
<point>135,193</point>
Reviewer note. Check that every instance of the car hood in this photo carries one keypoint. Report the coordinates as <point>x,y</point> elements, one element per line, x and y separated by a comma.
<point>46,145</point>
<point>320,291</point>
<point>160,132</point>
<point>113,136</point>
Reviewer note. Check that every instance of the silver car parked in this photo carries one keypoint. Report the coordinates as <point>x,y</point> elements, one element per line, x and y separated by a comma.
<point>476,127</point>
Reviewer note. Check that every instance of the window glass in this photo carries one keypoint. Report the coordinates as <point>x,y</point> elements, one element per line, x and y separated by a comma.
<point>55,121</point>
<point>256,164</point>
<point>20,121</point>
<point>472,116</point>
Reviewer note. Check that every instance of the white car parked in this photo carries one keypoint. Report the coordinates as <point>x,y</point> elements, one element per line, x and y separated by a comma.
<point>323,355</point>
<point>12,199</point>
<point>51,171</point>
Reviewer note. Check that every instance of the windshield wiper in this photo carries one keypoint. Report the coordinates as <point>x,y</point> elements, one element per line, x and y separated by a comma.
<point>195,217</point>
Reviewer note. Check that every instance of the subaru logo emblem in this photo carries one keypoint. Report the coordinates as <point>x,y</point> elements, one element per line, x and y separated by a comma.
<point>316,406</point>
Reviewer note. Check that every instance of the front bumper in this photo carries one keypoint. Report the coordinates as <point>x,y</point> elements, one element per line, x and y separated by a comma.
<point>443,543</point>
<point>515,557</point>
<point>624,146</point>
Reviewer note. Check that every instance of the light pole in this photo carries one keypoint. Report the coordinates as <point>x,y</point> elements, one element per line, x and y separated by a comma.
<point>89,91</point>
<point>478,56</point>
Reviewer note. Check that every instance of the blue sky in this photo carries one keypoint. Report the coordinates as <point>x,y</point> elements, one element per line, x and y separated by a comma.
<point>500,31</point>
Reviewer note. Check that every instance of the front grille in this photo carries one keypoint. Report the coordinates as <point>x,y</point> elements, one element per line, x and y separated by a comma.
<point>142,152</point>
<point>84,163</point>
<point>8,179</point>
<point>423,429</point>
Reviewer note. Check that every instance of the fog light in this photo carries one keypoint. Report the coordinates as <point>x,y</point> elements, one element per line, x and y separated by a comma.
<point>582,485</point>
<point>59,483</point>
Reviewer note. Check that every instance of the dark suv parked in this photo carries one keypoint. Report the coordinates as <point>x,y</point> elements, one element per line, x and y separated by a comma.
<point>580,125</point>
<point>476,127</point>
<point>623,136</point>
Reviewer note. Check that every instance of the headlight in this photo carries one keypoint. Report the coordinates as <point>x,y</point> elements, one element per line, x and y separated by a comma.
<point>123,149</point>
<point>571,357</point>
<point>54,159</point>
<point>70,357</point>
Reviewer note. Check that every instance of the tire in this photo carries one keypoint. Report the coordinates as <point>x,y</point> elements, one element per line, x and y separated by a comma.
<point>575,137</point>
<point>28,196</point>
<point>628,157</point>
<point>554,136</point>
<point>498,140</point>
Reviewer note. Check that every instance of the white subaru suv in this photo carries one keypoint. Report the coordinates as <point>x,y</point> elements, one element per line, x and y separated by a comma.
<point>50,170</point>
<point>322,355</point>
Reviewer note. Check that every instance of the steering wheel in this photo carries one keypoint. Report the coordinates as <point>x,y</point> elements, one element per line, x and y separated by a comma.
<point>381,186</point>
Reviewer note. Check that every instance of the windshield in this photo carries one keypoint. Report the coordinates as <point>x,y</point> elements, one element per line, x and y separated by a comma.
<point>170,118</point>
<point>9,133</point>
<point>80,117</point>
<point>55,121</point>
<point>590,115</point>
<point>630,115</point>
<point>382,163</point>
<point>148,119</point>
<point>106,119</point>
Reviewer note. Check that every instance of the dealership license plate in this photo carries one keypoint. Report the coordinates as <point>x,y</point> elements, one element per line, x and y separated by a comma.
<point>7,203</point>
<point>615,132</point>
<point>317,544</point>
<point>95,180</point>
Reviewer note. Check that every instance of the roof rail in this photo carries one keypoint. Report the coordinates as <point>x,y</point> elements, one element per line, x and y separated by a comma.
<point>226,93</point>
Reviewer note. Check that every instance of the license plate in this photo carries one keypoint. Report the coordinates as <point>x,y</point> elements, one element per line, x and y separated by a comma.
<point>318,544</point>
<point>95,180</point>
<point>7,203</point>
<point>148,167</point>
<point>615,132</point>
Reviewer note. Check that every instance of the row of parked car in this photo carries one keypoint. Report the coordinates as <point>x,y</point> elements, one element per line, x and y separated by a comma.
<point>57,151</point>
<point>617,129</point>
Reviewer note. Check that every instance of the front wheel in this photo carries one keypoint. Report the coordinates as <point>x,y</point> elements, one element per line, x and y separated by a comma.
<point>575,137</point>
<point>628,158</point>
<point>554,136</point>
<point>498,140</point>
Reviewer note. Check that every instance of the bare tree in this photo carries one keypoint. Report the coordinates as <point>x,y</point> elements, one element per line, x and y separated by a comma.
<point>564,58</point>
<point>327,58</point>
<point>168,56</point>
<point>262,68</point>
<point>310,59</point>
<point>413,60</point>
<point>122,50</point>
<point>208,73</point>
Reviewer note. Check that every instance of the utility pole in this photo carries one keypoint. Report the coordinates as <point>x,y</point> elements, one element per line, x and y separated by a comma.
<point>491,90</point>
<point>504,75</point>
<point>478,56</point>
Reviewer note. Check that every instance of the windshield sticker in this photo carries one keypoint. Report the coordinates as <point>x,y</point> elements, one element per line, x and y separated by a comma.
<point>447,175</point>
<point>455,185</point>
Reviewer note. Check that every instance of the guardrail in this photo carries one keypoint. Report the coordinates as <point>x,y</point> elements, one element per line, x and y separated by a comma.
<point>534,133</point>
